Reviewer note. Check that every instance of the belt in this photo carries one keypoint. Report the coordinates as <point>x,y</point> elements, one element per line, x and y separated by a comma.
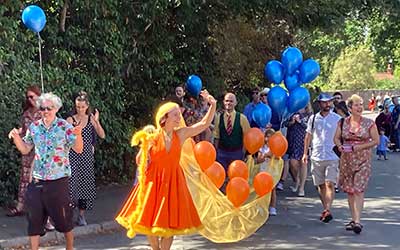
<point>35,180</point>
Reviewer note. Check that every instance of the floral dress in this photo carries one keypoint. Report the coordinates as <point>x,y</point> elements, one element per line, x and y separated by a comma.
<point>355,167</point>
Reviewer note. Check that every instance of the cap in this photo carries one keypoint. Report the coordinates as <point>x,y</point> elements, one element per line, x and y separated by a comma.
<point>324,97</point>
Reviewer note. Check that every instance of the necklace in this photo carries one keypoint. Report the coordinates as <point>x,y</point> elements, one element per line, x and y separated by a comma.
<point>168,136</point>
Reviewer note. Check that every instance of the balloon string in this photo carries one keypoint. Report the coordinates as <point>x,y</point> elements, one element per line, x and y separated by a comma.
<point>40,62</point>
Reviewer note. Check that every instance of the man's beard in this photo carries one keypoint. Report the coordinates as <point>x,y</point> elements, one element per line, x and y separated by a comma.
<point>326,109</point>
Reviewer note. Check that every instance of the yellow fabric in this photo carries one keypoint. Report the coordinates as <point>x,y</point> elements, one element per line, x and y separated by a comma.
<point>221,220</point>
<point>244,123</point>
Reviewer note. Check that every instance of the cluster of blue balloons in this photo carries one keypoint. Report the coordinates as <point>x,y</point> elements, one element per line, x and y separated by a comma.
<point>194,85</point>
<point>34,18</point>
<point>294,72</point>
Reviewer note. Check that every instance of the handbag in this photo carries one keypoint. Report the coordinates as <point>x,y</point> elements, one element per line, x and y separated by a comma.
<point>336,148</point>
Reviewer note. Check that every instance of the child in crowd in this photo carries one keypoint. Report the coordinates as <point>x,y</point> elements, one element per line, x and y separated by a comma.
<point>263,158</point>
<point>383,145</point>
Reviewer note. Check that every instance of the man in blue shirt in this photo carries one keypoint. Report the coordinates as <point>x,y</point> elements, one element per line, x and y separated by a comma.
<point>249,108</point>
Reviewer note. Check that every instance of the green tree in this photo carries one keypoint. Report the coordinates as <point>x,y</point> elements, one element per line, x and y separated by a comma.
<point>353,70</point>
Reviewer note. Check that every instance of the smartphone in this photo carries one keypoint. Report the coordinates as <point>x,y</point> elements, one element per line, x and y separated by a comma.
<point>347,148</point>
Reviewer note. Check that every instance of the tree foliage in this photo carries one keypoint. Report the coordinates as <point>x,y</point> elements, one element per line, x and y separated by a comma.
<point>128,55</point>
<point>353,70</point>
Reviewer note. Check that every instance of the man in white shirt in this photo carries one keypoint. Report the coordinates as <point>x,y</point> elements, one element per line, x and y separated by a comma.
<point>324,162</point>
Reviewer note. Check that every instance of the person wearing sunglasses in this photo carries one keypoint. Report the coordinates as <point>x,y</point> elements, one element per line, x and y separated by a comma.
<point>47,194</point>
<point>30,114</point>
<point>250,107</point>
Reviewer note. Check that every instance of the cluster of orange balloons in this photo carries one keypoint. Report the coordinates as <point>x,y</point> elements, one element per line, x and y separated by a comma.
<point>205,155</point>
<point>238,188</point>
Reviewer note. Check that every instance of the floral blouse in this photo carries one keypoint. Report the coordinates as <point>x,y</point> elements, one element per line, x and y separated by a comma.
<point>52,146</point>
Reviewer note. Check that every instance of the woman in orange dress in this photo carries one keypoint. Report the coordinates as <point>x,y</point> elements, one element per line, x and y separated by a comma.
<point>160,205</point>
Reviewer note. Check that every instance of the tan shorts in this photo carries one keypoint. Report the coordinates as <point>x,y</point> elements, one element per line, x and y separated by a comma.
<point>323,171</point>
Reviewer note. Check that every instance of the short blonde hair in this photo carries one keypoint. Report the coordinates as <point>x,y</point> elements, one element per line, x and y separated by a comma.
<point>352,99</point>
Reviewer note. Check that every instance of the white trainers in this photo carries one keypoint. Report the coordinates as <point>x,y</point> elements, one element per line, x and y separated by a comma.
<point>81,221</point>
<point>272,211</point>
<point>49,227</point>
<point>279,186</point>
<point>301,193</point>
<point>293,189</point>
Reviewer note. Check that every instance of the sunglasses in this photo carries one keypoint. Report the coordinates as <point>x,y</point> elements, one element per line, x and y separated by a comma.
<point>30,97</point>
<point>46,108</point>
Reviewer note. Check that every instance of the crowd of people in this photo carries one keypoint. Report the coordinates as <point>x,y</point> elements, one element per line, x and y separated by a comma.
<point>330,133</point>
<point>58,176</point>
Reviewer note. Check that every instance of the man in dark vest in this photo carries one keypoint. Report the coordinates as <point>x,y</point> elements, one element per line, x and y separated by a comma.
<point>230,127</point>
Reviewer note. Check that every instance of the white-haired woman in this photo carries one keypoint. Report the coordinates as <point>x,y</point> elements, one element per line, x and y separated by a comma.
<point>355,139</point>
<point>48,193</point>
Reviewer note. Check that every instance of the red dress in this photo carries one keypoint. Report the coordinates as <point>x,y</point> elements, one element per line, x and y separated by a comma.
<point>167,207</point>
<point>355,167</point>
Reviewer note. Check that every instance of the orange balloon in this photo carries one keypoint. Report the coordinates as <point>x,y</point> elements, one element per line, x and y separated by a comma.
<point>263,183</point>
<point>205,154</point>
<point>253,140</point>
<point>238,168</point>
<point>216,173</point>
<point>278,144</point>
<point>237,191</point>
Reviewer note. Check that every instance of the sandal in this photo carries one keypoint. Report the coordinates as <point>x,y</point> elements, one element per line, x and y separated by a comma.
<point>350,226</point>
<point>357,228</point>
<point>13,212</point>
<point>326,216</point>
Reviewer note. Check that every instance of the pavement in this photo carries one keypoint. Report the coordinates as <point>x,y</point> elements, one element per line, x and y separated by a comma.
<point>13,230</point>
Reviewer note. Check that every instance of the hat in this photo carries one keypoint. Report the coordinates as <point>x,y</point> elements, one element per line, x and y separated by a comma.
<point>264,91</point>
<point>324,97</point>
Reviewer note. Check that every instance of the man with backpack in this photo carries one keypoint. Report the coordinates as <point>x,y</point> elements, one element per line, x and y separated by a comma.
<point>320,132</point>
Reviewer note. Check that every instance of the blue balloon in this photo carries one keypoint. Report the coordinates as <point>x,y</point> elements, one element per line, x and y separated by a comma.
<point>277,98</point>
<point>291,60</point>
<point>262,115</point>
<point>309,70</point>
<point>34,18</point>
<point>292,81</point>
<point>274,71</point>
<point>194,85</point>
<point>298,99</point>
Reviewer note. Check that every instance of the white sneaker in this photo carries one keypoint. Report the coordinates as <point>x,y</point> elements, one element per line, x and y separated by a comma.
<point>272,211</point>
<point>293,189</point>
<point>49,227</point>
<point>279,186</point>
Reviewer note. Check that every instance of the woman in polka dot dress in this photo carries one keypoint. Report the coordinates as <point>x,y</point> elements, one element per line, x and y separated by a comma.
<point>82,181</point>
